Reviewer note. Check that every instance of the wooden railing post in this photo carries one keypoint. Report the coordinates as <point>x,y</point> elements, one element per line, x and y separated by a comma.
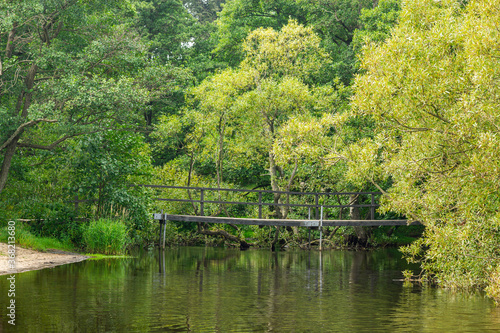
<point>316,202</point>
<point>202,204</point>
<point>372,208</point>
<point>260,205</point>
<point>76,204</point>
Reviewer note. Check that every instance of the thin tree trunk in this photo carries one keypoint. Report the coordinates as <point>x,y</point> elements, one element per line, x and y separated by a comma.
<point>10,41</point>
<point>191,165</point>
<point>273,171</point>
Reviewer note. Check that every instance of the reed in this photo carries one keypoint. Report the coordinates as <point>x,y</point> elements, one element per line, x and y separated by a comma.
<point>106,236</point>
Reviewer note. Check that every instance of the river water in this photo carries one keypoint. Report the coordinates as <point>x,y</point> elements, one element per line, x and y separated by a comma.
<point>191,289</point>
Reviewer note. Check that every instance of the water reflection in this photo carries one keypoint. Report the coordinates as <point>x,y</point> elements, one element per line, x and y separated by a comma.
<point>217,290</point>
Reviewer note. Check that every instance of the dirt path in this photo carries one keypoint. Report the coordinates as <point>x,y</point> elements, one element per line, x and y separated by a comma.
<point>29,260</point>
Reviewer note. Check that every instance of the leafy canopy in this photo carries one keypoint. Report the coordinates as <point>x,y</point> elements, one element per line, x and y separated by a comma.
<point>432,91</point>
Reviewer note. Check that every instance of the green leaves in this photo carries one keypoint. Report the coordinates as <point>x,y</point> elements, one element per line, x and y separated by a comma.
<point>236,114</point>
<point>430,90</point>
<point>292,51</point>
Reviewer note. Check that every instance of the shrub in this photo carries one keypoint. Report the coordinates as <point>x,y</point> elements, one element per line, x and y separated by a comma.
<point>106,236</point>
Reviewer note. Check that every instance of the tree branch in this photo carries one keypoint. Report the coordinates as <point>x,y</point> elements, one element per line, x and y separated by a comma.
<point>57,142</point>
<point>21,128</point>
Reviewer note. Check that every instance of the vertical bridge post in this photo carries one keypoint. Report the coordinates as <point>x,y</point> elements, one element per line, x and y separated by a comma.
<point>260,205</point>
<point>202,203</point>
<point>162,218</point>
<point>372,208</point>
<point>316,202</point>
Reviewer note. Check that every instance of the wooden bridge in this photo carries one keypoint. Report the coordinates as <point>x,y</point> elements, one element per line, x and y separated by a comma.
<point>312,207</point>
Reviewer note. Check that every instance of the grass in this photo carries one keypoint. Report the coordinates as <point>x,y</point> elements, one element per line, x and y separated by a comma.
<point>26,239</point>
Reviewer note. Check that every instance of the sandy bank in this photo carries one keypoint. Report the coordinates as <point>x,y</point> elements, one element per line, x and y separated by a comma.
<point>29,260</point>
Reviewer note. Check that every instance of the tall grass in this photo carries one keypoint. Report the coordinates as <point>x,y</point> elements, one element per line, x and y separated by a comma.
<point>25,238</point>
<point>106,236</point>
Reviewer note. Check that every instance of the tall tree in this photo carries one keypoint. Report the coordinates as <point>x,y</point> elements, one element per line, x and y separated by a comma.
<point>432,90</point>
<point>239,111</point>
<point>67,70</point>
<point>335,21</point>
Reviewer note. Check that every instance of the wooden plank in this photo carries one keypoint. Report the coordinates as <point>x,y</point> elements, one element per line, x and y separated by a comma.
<point>282,222</point>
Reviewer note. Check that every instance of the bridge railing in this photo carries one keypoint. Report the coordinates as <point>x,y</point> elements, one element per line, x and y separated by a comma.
<point>201,199</point>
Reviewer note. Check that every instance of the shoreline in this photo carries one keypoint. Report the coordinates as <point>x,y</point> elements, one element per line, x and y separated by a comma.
<point>31,260</point>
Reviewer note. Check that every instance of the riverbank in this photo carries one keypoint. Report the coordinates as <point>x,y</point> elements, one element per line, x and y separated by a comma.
<point>30,260</point>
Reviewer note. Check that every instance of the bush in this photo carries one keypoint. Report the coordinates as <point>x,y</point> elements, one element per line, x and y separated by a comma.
<point>106,236</point>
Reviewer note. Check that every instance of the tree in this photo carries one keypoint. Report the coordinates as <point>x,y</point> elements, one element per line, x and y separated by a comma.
<point>267,89</point>
<point>376,23</point>
<point>180,33</point>
<point>103,165</point>
<point>168,25</point>
<point>335,22</point>
<point>205,11</point>
<point>432,90</point>
<point>239,112</point>
<point>67,70</point>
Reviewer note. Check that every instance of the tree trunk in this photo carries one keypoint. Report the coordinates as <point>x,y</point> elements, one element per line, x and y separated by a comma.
<point>273,171</point>
<point>10,150</point>
<point>22,106</point>
<point>243,244</point>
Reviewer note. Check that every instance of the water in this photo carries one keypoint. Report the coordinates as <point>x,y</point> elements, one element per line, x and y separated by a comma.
<point>226,290</point>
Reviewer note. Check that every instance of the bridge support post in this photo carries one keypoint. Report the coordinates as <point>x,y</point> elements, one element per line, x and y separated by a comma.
<point>163,228</point>
<point>321,230</point>
<point>164,232</point>
<point>309,245</point>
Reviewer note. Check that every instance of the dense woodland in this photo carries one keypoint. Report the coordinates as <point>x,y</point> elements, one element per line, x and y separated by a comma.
<point>326,95</point>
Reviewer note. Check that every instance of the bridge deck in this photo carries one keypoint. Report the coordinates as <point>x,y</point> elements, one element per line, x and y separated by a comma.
<point>281,222</point>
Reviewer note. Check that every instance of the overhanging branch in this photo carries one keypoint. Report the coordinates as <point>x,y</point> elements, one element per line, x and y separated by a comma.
<point>20,129</point>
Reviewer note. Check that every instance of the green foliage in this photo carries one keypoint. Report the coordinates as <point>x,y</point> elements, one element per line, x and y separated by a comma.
<point>106,236</point>
<point>168,25</point>
<point>431,89</point>
<point>234,116</point>
<point>179,32</point>
<point>376,23</point>
<point>239,17</point>
<point>334,21</point>
<point>58,220</point>
<point>77,76</point>
<point>103,167</point>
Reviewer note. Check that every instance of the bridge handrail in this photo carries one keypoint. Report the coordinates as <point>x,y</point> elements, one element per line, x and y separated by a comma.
<point>261,204</point>
<point>261,191</point>
<point>265,203</point>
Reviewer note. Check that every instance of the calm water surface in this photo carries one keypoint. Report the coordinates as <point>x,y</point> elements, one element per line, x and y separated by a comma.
<point>225,290</point>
